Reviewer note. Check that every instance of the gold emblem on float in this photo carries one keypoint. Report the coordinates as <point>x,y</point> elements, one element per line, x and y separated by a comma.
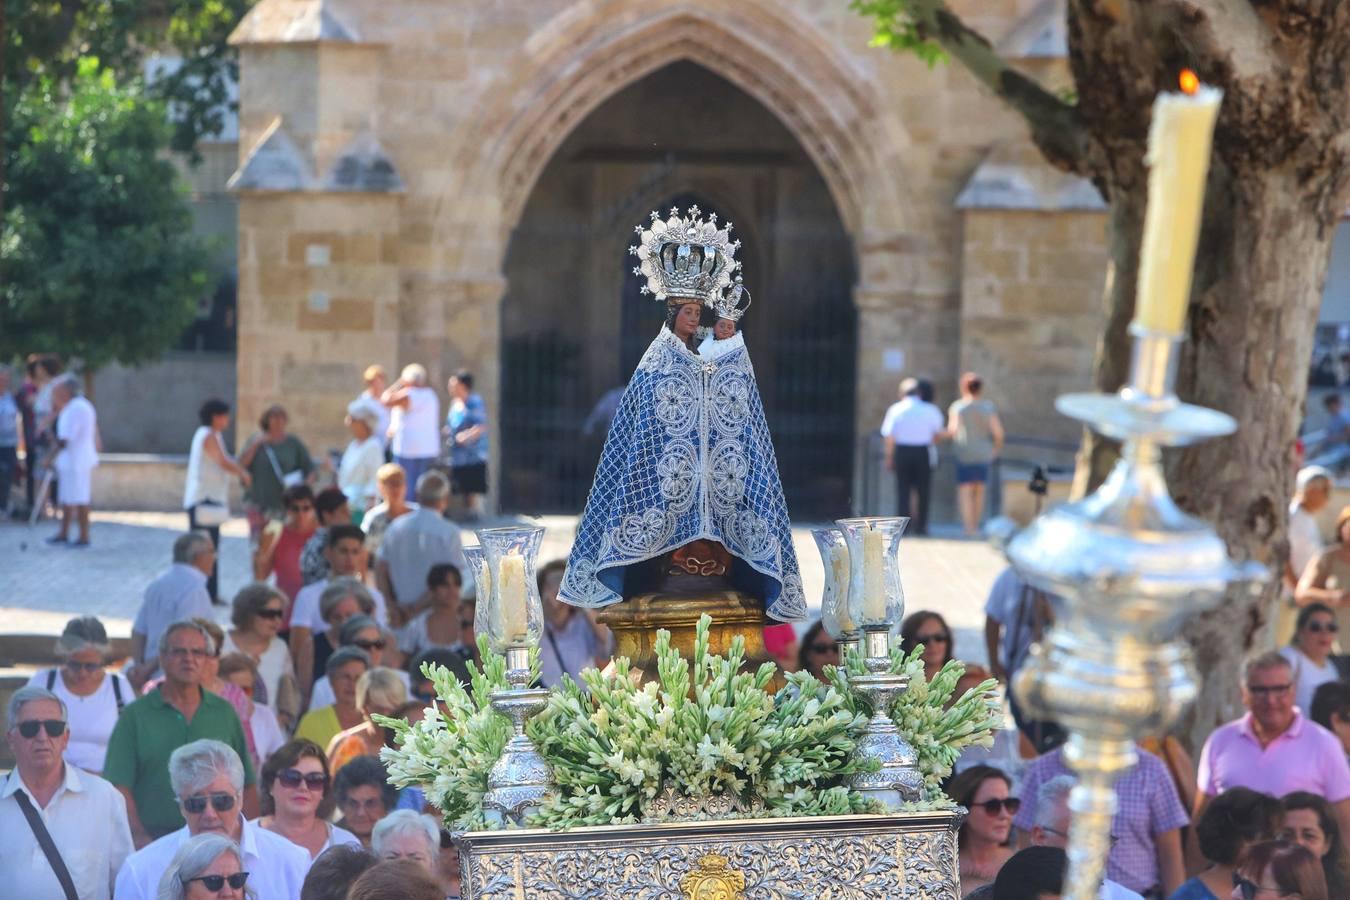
<point>713,879</point>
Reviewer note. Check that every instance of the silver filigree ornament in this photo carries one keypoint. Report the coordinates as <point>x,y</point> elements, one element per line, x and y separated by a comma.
<point>520,779</point>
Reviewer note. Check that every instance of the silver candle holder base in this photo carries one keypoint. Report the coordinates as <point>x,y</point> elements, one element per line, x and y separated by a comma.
<point>850,642</point>
<point>520,779</point>
<point>897,781</point>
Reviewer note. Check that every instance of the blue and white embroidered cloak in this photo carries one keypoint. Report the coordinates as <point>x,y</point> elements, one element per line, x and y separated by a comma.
<point>688,456</point>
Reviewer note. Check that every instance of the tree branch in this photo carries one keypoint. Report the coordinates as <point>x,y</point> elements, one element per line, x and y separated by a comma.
<point>1055,125</point>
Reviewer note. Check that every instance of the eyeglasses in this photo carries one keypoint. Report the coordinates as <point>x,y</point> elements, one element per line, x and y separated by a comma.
<point>219,802</point>
<point>369,645</point>
<point>214,883</point>
<point>822,649</point>
<point>271,613</point>
<point>194,652</point>
<point>1250,888</point>
<point>83,667</point>
<point>54,727</point>
<point>938,637</point>
<point>991,807</point>
<point>1319,627</point>
<point>293,778</point>
<point>1271,690</point>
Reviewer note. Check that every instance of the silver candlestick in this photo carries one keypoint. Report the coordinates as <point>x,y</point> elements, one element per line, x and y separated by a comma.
<point>520,779</point>
<point>1130,567</point>
<point>898,780</point>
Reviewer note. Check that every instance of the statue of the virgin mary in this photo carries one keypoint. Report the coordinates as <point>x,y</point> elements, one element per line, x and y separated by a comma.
<point>687,497</point>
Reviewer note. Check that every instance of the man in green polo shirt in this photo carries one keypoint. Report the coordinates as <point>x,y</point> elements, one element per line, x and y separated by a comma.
<point>177,712</point>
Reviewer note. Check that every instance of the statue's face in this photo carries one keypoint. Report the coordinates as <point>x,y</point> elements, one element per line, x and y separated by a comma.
<point>686,321</point>
<point>724,329</point>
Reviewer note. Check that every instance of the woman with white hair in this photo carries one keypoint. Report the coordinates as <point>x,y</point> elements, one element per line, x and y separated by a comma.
<point>94,696</point>
<point>405,834</point>
<point>415,423</point>
<point>379,691</point>
<point>361,461</point>
<point>206,866</point>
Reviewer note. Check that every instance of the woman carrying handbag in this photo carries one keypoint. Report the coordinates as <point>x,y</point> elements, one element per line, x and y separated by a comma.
<point>206,495</point>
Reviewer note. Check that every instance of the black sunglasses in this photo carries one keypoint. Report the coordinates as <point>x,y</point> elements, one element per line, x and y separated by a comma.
<point>369,645</point>
<point>1250,888</point>
<point>271,613</point>
<point>1318,627</point>
<point>216,882</point>
<point>940,637</point>
<point>55,727</point>
<point>1268,690</point>
<point>425,697</point>
<point>1011,804</point>
<point>219,802</point>
<point>822,649</point>
<point>292,778</point>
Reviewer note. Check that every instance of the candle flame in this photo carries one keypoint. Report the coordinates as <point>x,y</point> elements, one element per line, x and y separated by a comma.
<point>1190,82</point>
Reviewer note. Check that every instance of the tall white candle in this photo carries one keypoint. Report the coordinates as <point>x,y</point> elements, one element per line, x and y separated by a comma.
<point>874,575</point>
<point>511,592</point>
<point>1179,143</point>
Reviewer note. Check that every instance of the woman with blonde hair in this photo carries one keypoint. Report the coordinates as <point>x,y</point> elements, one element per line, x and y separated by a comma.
<point>379,691</point>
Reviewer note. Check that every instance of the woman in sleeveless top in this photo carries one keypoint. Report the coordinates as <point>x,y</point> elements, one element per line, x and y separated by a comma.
<point>206,495</point>
<point>977,439</point>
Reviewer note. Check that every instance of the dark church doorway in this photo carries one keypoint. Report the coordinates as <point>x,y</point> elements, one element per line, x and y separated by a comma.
<point>574,324</point>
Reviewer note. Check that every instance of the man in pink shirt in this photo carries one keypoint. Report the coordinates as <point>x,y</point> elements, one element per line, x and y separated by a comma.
<point>1273,748</point>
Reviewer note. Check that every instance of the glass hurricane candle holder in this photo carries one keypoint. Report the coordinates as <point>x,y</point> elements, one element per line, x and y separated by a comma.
<point>516,614</point>
<point>834,612</point>
<point>876,598</point>
<point>476,562</point>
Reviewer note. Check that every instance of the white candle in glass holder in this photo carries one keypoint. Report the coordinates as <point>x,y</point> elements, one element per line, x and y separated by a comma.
<point>511,595</point>
<point>874,575</point>
<point>839,570</point>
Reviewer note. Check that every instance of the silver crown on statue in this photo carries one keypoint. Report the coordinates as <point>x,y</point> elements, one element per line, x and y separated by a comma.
<point>688,257</point>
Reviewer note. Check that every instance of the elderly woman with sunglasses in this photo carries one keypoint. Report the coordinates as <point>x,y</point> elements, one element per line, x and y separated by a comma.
<point>297,801</point>
<point>345,668</point>
<point>1309,653</point>
<point>207,866</point>
<point>257,613</point>
<point>94,696</point>
<point>983,840</point>
<point>364,633</point>
<point>378,692</point>
<point>208,779</point>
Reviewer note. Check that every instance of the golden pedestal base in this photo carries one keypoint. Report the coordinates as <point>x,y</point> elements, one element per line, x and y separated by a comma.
<point>636,621</point>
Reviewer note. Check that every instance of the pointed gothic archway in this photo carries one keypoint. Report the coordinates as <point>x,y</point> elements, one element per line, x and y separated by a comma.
<point>573,323</point>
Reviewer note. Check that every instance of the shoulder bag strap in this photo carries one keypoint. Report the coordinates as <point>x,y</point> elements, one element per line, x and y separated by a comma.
<point>51,679</point>
<point>276,466</point>
<point>117,692</point>
<point>44,840</point>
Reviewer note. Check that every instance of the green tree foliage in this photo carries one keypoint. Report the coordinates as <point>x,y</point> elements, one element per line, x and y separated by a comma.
<point>47,40</point>
<point>98,255</point>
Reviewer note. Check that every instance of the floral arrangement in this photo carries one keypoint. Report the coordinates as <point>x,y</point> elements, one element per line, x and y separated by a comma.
<point>703,729</point>
<point>937,727</point>
<point>616,749</point>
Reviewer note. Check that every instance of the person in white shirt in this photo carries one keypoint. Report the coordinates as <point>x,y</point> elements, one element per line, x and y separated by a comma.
<point>176,595</point>
<point>415,423</point>
<point>1053,818</point>
<point>206,490</point>
<point>82,684</point>
<point>1312,493</point>
<point>85,815</point>
<point>376,381</point>
<point>1310,653</point>
<point>361,461</point>
<point>208,779</point>
<point>910,428</point>
<point>77,442</point>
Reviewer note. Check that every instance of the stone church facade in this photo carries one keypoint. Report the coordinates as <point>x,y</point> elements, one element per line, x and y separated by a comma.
<point>408,172</point>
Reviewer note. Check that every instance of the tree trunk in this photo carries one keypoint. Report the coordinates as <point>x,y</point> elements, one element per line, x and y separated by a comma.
<point>1260,270</point>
